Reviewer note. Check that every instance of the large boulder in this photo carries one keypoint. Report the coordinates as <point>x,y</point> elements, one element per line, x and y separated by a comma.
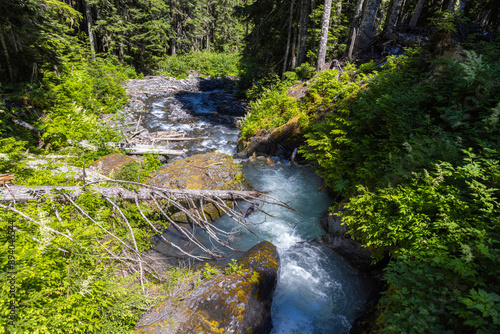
<point>332,223</point>
<point>214,171</point>
<point>112,164</point>
<point>238,303</point>
<point>210,171</point>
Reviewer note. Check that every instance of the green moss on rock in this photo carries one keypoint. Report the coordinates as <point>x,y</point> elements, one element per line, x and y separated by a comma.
<point>112,164</point>
<point>236,303</point>
<point>214,171</point>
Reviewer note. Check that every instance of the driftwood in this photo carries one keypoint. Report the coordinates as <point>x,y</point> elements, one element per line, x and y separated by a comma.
<point>133,148</point>
<point>26,125</point>
<point>24,194</point>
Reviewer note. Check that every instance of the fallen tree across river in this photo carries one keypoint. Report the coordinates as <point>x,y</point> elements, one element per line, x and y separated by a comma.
<point>163,201</point>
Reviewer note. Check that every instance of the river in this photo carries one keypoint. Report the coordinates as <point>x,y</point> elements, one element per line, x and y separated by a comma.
<point>317,290</point>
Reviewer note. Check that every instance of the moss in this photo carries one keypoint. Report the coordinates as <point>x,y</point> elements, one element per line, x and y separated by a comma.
<point>263,255</point>
<point>215,171</point>
<point>235,303</point>
<point>112,164</point>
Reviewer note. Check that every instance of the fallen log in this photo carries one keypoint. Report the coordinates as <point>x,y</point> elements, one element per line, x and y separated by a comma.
<point>26,125</point>
<point>25,194</point>
<point>133,148</point>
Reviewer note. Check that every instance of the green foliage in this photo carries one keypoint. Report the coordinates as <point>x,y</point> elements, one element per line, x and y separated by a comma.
<point>445,20</point>
<point>367,67</point>
<point>274,108</point>
<point>305,71</point>
<point>176,278</point>
<point>203,62</point>
<point>209,271</point>
<point>71,286</point>
<point>443,229</point>
<point>136,172</point>
<point>10,154</point>
<point>41,34</point>
<point>234,268</point>
<point>77,95</point>
<point>401,121</point>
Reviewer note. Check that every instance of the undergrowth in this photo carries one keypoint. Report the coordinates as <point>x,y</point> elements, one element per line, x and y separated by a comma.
<point>203,63</point>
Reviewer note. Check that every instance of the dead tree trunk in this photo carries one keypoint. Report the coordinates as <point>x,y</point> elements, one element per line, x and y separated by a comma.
<point>367,26</point>
<point>6,54</point>
<point>23,194</point>
<point>417,12</point>
<point>89,29</point>
<point>287,52</point>
<point>324,35</point>
<point>354,28</point>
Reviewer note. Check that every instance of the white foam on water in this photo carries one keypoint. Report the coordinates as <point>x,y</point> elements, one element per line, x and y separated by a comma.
<point>317,292</point>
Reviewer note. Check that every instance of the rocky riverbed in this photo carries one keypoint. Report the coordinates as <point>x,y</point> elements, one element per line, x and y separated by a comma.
<point>318,291</point>
<point>195,115</point>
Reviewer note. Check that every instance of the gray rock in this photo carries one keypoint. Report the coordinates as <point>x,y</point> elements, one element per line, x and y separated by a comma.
<point>351,250</point>
<point>332,223</point>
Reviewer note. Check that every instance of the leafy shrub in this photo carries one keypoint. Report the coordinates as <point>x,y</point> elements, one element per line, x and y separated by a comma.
<point>443,229</point>
<point>136,172</point>
<point>402,122</point>
<point>305,71</point>
<point>273,109</point>
<point>204,62</point>
<point>71,286</point>
<point>10,154</point>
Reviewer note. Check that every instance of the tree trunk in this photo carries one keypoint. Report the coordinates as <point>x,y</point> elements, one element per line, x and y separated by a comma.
<point>287,52</point>
<point>24,194</point>
<point>417,12</point>
<point>393,15</point>
<point>6,55</point>
<point>89,28</point>
<point>293,63</point>
<point>367,26</point>
<point>133,148</point>
<point>354,28</point>
<point>338,19</point>
<point>304,21</point>
<point>324,35</point>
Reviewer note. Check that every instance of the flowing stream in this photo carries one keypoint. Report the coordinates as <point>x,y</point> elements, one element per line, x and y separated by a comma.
<point>317,291</point>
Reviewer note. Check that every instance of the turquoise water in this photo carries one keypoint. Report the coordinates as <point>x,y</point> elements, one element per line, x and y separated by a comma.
<point>317,291</point>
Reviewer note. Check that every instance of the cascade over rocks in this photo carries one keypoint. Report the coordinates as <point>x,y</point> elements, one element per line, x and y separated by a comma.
<point>238,303</point>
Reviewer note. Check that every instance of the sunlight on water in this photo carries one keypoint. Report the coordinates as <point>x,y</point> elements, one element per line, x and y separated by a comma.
<point>317,291</point>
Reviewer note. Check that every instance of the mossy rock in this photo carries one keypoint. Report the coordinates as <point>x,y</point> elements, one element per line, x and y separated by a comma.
<point>212,171</point>
<point>286,137</point>
<point>110,165</point>
<point>211,212</point>
<point>239,303</point>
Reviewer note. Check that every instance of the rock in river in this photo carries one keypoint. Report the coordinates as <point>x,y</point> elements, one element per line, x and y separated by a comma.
<point>214,171</point>
<point>112,164</point>
<point>238,303</point>
<point>211,171</point>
